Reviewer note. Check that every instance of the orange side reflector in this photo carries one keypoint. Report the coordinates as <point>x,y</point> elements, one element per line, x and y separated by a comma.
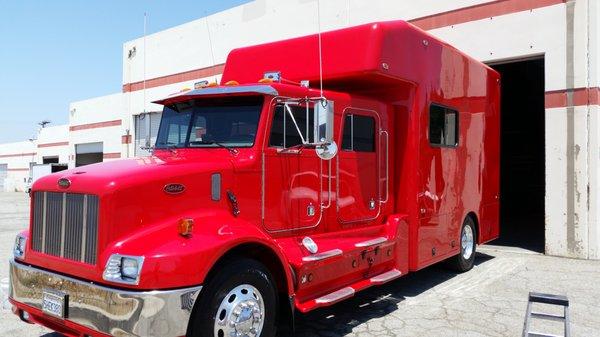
<point>186,226</point>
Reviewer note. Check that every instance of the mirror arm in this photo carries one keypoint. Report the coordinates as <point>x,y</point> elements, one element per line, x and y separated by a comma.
<point>289,111</point>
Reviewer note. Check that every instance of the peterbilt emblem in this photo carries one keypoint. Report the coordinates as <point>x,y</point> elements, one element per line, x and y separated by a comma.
<point>174,188</point>
<point>64,182</point>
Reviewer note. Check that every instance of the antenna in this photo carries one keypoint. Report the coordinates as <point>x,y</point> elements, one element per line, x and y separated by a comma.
<point>144,90</point>
<point>43,123</point>
<point>320,51</point>
<point>212,53</point>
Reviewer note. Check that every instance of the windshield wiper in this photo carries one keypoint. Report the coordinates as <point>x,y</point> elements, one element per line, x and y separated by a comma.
<point>212,142</point>
<point>169,146</point>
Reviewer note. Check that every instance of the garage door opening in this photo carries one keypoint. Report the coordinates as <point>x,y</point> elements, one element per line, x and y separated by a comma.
<point>522,154</point>
<point>89,153</point>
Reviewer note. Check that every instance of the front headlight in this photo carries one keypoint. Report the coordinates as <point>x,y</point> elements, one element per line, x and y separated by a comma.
<point>19,247</point>
<point>123,269</point>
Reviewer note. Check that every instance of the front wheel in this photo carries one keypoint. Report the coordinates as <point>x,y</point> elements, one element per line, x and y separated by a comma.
<point>240,300</point>
<point>466,257</point>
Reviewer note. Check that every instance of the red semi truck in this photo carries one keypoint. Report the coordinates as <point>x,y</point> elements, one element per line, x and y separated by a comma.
<point>267,194</point>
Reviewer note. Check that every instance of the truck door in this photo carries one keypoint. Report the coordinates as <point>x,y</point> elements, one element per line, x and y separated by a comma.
<point>438,159</point>
<point>292,184</point>
<point>358,186</point>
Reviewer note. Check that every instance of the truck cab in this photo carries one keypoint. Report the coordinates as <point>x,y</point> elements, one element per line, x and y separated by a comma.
<point>273,192</point>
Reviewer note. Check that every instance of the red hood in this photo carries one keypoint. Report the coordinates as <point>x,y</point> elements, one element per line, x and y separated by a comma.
<point>107,177</point>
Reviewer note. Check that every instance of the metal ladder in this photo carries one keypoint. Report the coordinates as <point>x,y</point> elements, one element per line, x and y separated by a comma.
<point>558,300</point>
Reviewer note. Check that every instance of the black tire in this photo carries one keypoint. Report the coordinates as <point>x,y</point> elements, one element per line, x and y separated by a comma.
<point>459,262</point>
<point>233,274</point>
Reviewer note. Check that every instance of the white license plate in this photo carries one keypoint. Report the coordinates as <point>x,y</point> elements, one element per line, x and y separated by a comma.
<point>53,303</point>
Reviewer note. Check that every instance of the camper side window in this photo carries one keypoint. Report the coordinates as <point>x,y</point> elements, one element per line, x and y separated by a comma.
<point>359,133</point>
<point>443,126</point>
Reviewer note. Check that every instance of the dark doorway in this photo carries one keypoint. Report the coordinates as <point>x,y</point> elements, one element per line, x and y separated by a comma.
<point>522,154</point>
<point>50,160</point>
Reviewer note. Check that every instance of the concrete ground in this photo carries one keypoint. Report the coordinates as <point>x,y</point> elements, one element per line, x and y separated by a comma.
<point>490,300</point>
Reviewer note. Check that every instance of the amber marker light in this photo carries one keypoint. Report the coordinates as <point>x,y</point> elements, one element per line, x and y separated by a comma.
<point>265,80</point>
<point>185,227</point>
<point>230,83</point>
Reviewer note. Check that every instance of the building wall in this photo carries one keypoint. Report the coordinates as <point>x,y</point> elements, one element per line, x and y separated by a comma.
<point>18,157</point>
<point>53,141</point>
<point>98,119</point>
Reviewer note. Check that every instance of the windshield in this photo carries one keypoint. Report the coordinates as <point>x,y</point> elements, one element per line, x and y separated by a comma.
<point>210,123</point>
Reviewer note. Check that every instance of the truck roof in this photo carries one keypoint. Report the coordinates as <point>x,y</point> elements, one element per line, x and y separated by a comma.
<point>380,53</point>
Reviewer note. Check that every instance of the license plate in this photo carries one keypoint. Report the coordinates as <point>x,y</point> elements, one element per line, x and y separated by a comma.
<point>53,303</point>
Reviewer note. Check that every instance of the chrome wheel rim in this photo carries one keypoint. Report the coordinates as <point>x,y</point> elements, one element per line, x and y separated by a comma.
<point>241,313</point>
<point>467,242</point>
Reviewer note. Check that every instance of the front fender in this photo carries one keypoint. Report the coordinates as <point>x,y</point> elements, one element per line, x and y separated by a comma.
<point>174,261</point>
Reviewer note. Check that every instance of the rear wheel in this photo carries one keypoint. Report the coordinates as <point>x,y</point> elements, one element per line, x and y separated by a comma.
<point>466,257</point>
<point>240,300</point>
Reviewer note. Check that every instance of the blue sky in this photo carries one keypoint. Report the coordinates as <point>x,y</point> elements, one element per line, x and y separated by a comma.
<point>56,52</point>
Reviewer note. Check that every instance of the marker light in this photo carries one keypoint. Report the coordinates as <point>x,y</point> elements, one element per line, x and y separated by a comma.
<point>232,83</point>
<point>212,84</point>
<point>185,227</point>
<point>265,80</point>
<point>19,247</point>
<point>123,269</point>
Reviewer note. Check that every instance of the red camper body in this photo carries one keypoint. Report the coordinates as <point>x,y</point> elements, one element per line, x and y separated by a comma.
<point>416,126</point>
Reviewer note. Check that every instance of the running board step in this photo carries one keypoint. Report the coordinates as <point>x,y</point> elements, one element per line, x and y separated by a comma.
<point>322,256</point>
<point>386,277</point>
<point>335,296</point>
<point>369,243</point>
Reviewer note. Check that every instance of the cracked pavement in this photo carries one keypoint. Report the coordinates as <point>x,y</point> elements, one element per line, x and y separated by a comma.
<point>490,300</point>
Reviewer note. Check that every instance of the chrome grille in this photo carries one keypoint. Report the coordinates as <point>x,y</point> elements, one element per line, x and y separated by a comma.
<point>65,225</point>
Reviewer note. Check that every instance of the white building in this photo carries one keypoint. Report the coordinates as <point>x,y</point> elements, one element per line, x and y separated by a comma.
<point>546,50</point>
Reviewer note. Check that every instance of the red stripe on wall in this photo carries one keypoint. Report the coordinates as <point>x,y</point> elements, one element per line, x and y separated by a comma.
<point>95,125</point>
<point>111,155</point>
<point>175,78</point>
<point>581,96</point>
<point>17,155</point>
<point>17,169</point>
<point>53,144</point>
<point>479,12</point>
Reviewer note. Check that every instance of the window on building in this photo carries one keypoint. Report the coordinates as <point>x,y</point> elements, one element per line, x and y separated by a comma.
<point>443,126</point>
<point>283,122</point>
<point>359,133</point>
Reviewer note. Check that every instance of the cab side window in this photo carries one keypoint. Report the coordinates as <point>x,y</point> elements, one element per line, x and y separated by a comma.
<point>359,133</point>
<point>282,121</point>
<point>443,126</point>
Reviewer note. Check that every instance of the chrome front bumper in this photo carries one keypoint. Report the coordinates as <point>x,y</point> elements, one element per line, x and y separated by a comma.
<point>111,311</point>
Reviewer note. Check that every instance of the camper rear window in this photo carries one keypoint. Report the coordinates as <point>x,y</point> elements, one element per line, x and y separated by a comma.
<point>443,126</point>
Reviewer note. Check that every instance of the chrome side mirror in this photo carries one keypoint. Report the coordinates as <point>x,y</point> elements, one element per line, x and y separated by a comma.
<point>323,122</point>
<point>326,151</point>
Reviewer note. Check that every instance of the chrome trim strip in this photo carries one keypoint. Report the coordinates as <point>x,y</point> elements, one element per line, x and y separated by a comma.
<point>84,229</point>
<point>44,220</point>
<point>240,89</point>
<point>386,277</point>
<point>63,221</point>
<point>110,311</point>
<point>372,242</point>
<point>215,186</point>
<point>336,296</point>
<point>322,256</point>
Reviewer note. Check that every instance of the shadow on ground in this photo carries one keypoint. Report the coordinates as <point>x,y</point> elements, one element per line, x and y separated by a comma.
<point>341,318</point>
<point>375,302</point>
